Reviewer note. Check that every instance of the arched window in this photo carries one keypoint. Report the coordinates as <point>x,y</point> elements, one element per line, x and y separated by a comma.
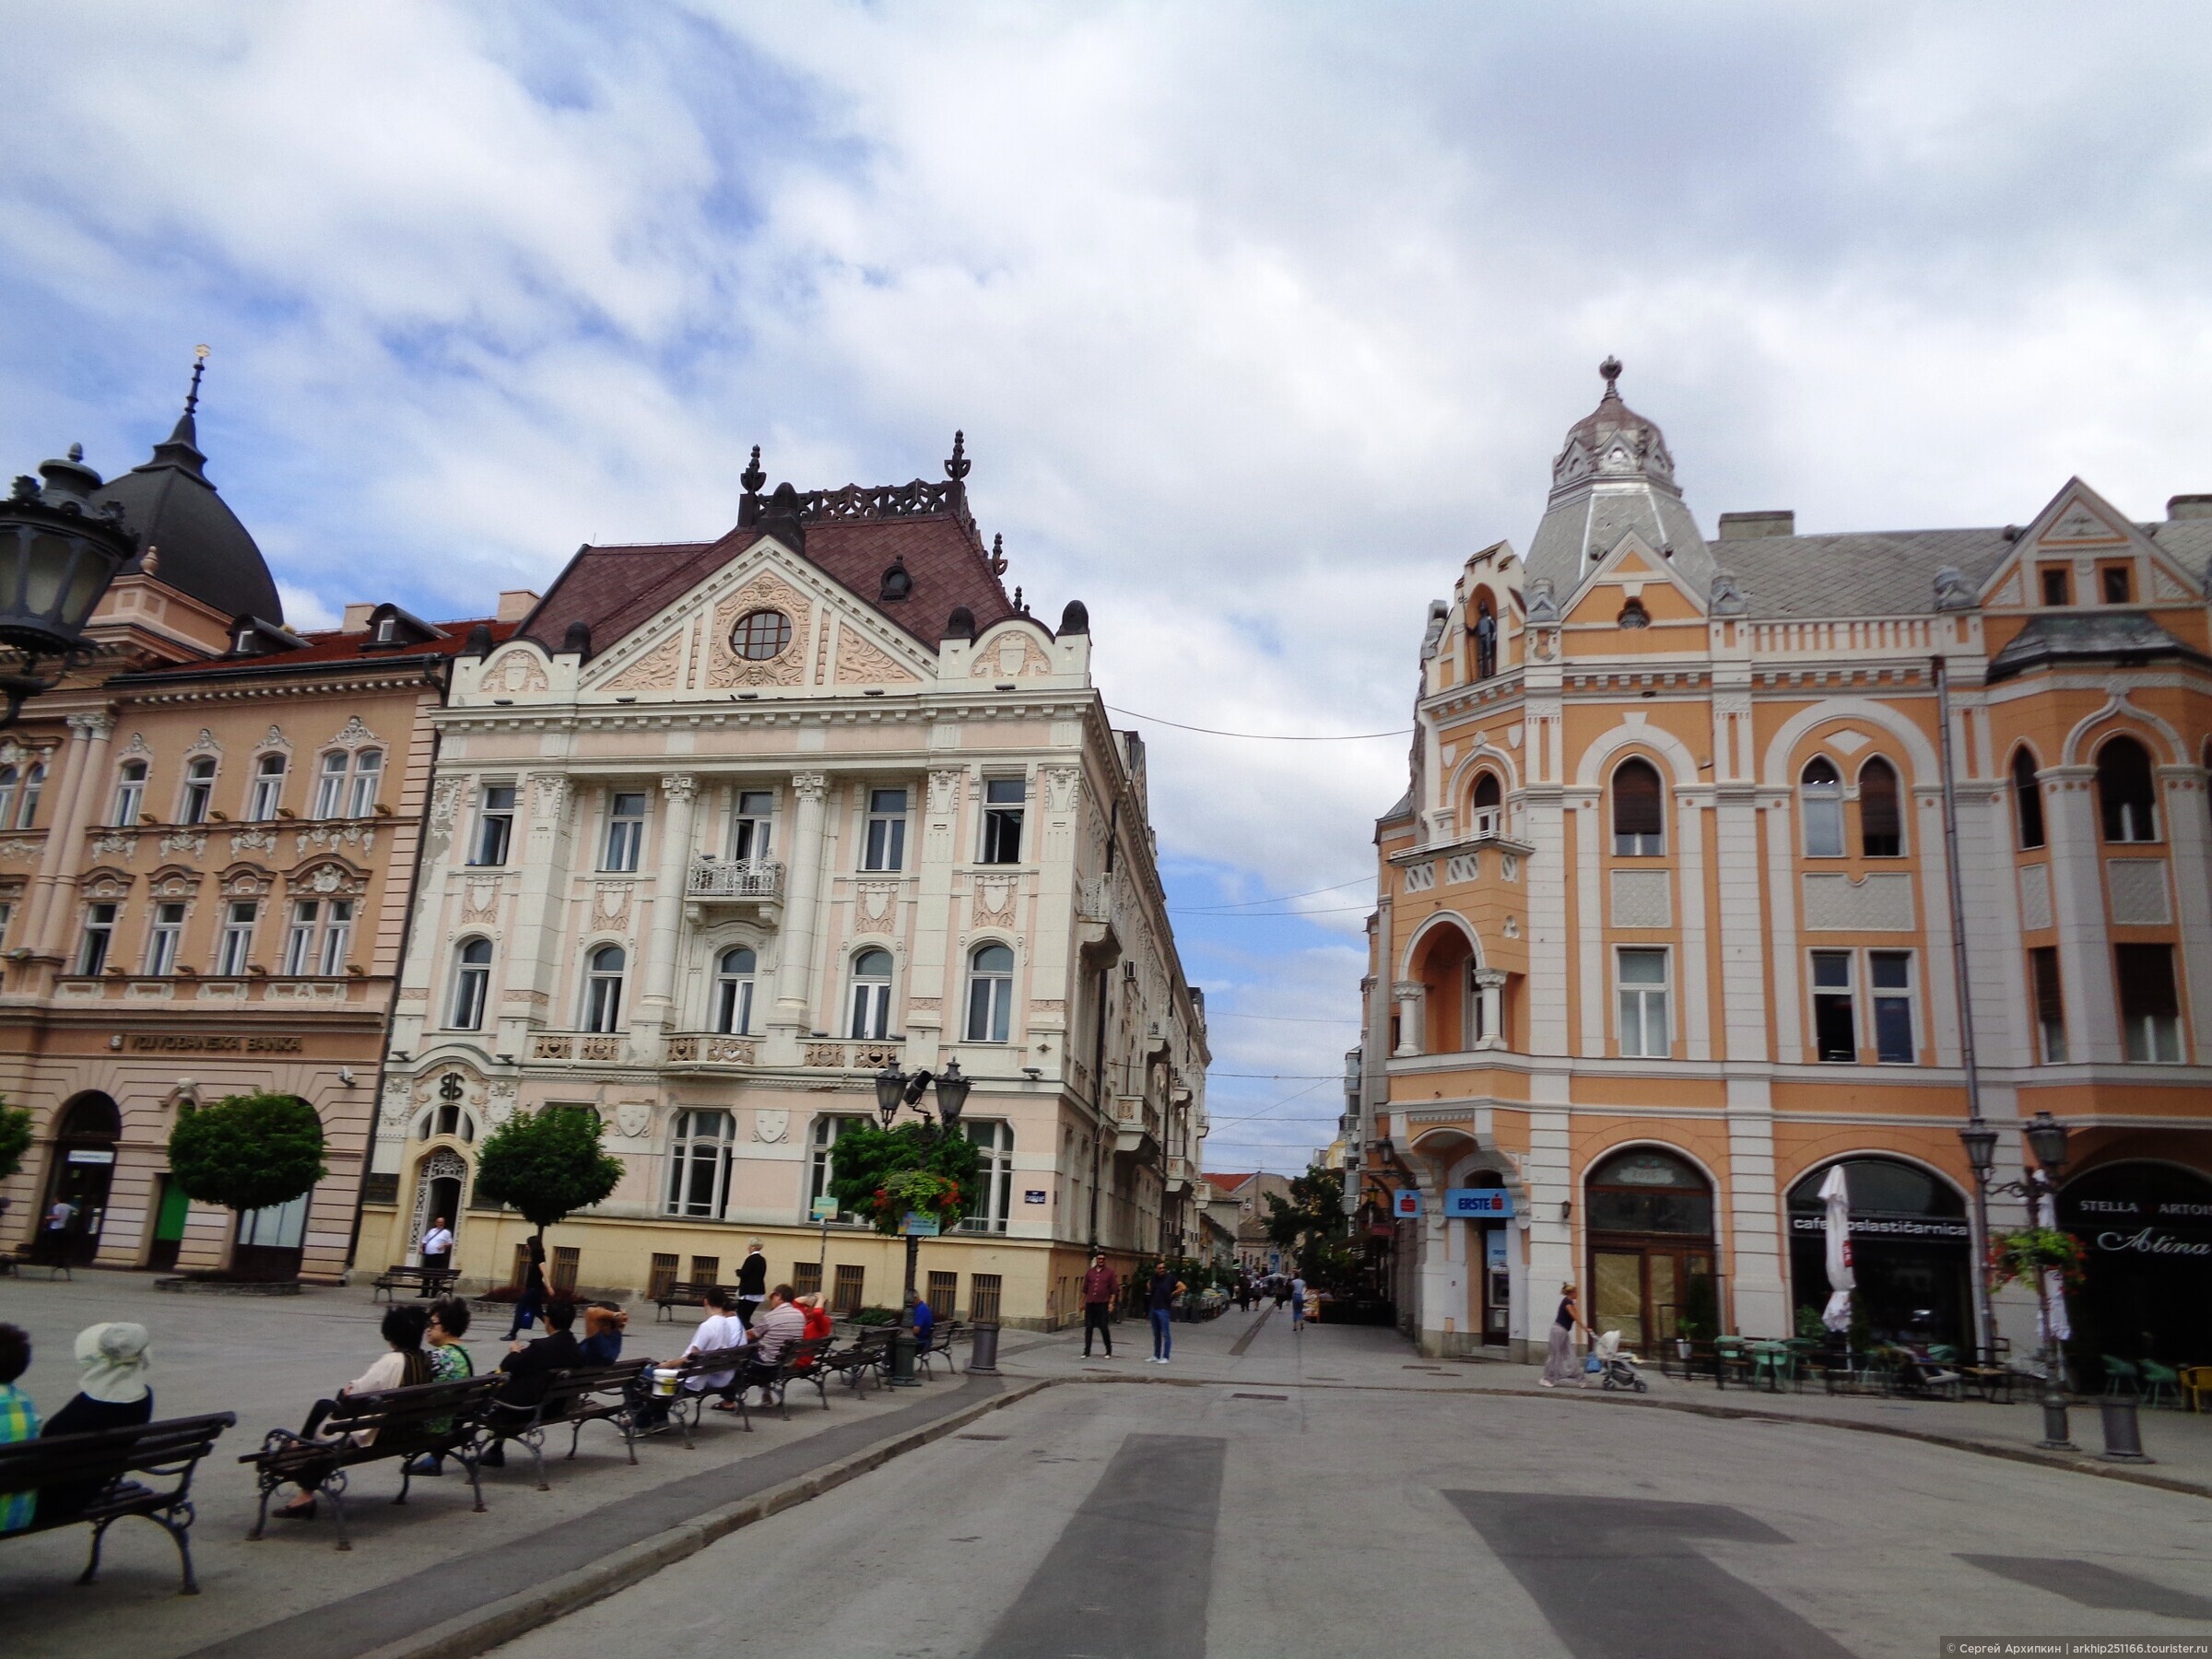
<point>603,989</point>
<point>990,993</point>
<point>1639,810</point>
<point>2027,800</point>
<point>268,788</point>
<point>472,985</point>
<point>734,991</point>
<point>10,782</point>
<point>330,784</point>
<point>993,1145</point>
<point>368,773</point>
<point>33,782</point>
<point>199,791</point>
<point>2127,796</point>
<point>871,993</point>
<point>699,1163</point>
<point>130,794</point>
<point>1821,788</point>
<point>1881,824</point>
<point>1489,815</point>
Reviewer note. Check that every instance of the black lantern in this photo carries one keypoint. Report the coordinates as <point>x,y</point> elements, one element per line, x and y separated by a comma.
<point>58,555</point>
<point>2047,1136</point>
<point>890,1091</point>
<point>1980,1149</point>
<point>952,1094</point>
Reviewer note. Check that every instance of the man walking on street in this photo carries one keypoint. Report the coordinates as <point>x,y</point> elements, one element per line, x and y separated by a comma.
<point>437,1246</point>
<point>1099,1287</point>
<point>1160,1301</point>
<point>1298,1302</point>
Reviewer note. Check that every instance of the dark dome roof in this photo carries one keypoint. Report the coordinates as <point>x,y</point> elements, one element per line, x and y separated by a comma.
<point>201,547</point>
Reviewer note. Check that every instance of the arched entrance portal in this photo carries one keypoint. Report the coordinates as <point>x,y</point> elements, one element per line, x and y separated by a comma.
<point>77,1187</point>
<point>440,1184</point>
<point>2146,1289</point>
<point>1911,1252</point>
<point>1650,1250</point>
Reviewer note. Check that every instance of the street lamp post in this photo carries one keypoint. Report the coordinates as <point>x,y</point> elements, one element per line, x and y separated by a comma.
<point>2047,1140</point>
<point>894,1090</point>
<point>58,554</point>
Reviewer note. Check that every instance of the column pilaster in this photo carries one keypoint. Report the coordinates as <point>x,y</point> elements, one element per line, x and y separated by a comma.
<point>656,1009</point>
<point>792,1017</point>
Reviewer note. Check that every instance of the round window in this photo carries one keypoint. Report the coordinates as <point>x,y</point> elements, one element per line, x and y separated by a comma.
<point>760,634</point>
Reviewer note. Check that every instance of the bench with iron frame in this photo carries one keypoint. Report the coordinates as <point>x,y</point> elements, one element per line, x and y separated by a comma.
<point>686,1293</point>
<point>169,1452</point>
<point>802,1361</point>
<point>422,1283</point>
<point>590,1394</point>
<point>870,1351</point>
<point>939,1346</point>
<point>439,1419</point>
<point>686,1406</point>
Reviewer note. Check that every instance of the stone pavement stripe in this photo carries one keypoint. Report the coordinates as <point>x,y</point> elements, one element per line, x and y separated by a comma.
<point>390,1616</point>
<point>1131,1575</point>
<point>2090,1584</point>
<point>1618,1575</point>
<point>1238,1348</point>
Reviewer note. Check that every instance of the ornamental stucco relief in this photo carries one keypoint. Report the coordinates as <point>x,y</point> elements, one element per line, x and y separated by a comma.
<point>861,663</point>
<point>725,668</point>
<point>659,669</point>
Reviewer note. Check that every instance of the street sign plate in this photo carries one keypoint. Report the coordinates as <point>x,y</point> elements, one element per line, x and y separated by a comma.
<point>919,1226</point>
<point>1405,1202</point>
<point>824,1209</point>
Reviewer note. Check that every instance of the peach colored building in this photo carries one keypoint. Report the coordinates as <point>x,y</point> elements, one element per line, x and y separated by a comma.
<point>208,839</point>
<point>1667,924</point>
<point>731,825</point>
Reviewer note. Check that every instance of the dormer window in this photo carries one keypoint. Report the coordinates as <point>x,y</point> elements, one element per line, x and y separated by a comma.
<point>389,624</point>
<point>2058,585</point>
<point>2117,587</point>
<point>896,583</point>
<point>1633,615</point>
<point>387,630</point>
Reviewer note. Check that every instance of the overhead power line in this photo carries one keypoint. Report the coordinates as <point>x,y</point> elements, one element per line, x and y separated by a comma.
<point>1199,910</point>
<point>1265,736</point>
<point>1327,909</point>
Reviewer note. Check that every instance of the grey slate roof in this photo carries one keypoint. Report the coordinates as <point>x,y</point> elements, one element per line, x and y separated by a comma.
<point>1878,573</point>
<point>2106,638</point>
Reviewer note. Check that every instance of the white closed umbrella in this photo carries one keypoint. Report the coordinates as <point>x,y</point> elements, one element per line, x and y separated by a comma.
<point>2042,1211</point>
<point>1835,1221</point>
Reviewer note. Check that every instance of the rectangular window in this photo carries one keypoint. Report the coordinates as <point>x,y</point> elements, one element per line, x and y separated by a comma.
<point>267,791</point>
<point>300,942</point>
<point>983,1297</point>
<point>330,785</point>
<point>807,1277</point>
<point>2116,585</point>
<point>2058,585</point>
<point>337,934</point>
<point>750,833</point>
<point>163,941</point>
<point>706,1270</point>
<point>660,1276</point>
<point>495,825</point>
<point>625,832</point>
<point>199,792</point>
<point>367,772</point>
<point>944,1292</point>
<point>7,915</point>
<point>1889,976</point>
<point>1835,1020</point>
<point>99,933</point>
<point>1003,801</point>
<point>886,847</point>
<point>2049,1003</point>
<point>237,944</point>
<point>567,1260</point>
<point>1643,1031</point>
<point>2150,1010</point>
<point>130,792</point>
<point>845,1298</point>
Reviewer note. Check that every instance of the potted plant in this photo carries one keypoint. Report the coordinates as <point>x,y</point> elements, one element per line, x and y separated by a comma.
<point>2034,1250</point>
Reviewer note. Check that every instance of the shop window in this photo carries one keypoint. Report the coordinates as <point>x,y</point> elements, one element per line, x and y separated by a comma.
<point>1820,786</point>
<point>162,940</point>
<point>885,848</point>
<point>2127,796</point>
<point>1881,823</point>
<point>1488,816</point>
<point>1912,1250</point>
<point>2150,1010</point>
<point>1643,987</point>
<point>994,1144</point>
<point>846,1298</point>
<point>752,829</point>
<point>1639,810</point>
<point>699,1163</point>
<point>871,994</point>
<point>472,985</point>
<point>1003,803</point>
<point>2027,800</point>
<point>603,989</point>
<point>734,991</point>
<point>625,832</point>
<point>1835,1020</point>
<point>990,994</point>
<point>199,792</point>
<point>1890,979</point>
<point>267,793</point>
<point>1648,1191</point>
<point>278,1227</point>
<point>130,795</point>
<point>495,826</point>
<point>2049,1003</point>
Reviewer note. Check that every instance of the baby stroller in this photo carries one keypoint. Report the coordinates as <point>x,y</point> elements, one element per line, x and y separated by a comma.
<point>1615,1369</point>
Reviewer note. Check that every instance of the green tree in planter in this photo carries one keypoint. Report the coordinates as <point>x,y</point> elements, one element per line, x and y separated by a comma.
<point>546,1164</point>
<point>883,1173</point>
<point>15,1138</point>
<point>248,1152</point>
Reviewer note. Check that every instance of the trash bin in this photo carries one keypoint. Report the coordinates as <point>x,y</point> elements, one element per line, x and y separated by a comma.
<point>983,1351</point>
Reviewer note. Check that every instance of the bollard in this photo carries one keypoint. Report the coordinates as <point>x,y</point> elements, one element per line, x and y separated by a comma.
<point>903,1343</point>
<point>983,1351</point>
<point>2057,1437</point>
<point>2122,1434</point>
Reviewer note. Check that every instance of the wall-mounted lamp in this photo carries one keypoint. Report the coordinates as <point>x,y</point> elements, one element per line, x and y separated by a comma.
<point>1566,1209</point>
<point>345,1077</point>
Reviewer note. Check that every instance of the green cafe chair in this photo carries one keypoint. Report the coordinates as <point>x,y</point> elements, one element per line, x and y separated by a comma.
<point>2163,1380</point>
<point>2116,1371</point>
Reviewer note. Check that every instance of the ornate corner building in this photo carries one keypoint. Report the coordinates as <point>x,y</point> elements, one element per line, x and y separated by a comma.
<point>729,826</point>
<point>1671,916</point>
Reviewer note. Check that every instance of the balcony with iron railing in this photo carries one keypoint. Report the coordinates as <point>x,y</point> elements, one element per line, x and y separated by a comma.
<point>740,881</point>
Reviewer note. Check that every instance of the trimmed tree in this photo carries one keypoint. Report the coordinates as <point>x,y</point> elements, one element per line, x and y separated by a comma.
<point>248,1152</point>
<point>15,1138</point>
<point>547,1164</point>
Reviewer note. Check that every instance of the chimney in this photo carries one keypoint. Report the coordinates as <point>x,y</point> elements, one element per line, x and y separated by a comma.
<point>356,618</point>
<point>515,603</point>
<point>2189,507</point>
<point>1755,526</point>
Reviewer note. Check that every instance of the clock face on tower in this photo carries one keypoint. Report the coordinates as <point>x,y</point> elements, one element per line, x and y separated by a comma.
<point>761,635</point>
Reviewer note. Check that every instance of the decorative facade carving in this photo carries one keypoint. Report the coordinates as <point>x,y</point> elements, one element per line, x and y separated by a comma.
<point>659,669</point>
<point>993,901</point>
<point>549,795</point>
<point>944,792</point>
<point>517,672</point>
<point>726,669</point>
<point>1060,789</point>
<point>193,841</point>
<point>610,903</point>
<point>861,663</point>
<point>1015,656</point>
<point>809,786</point>
<point>770,1126</point>
<point>679,786</point>
<point>353,734</point>
<point>253,838</point>
<point>873,900</point>
<point>328,837</point>
<point>480,900</point>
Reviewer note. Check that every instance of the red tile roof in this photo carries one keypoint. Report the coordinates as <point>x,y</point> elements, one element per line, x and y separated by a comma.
<point>1227,1184</point>
<point>615,589</point>
<point>329,646</point>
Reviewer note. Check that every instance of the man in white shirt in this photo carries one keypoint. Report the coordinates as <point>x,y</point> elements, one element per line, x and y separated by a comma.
<point>719,1333</point>
<point>437,1246</point>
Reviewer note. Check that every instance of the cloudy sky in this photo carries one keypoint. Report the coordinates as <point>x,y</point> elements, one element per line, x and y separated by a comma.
<point>1259,319</point>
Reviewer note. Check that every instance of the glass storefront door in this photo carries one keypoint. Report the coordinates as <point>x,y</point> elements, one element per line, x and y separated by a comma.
<point>1650,1248</point>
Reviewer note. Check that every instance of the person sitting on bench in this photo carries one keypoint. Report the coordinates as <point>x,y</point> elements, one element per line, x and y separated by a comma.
<point>530,1367</point>
<point>18,1419</point>
<point>776,1329</point>
<point>404,1365</point>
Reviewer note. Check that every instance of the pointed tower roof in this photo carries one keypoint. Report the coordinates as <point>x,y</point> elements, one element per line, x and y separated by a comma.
<point>1614,474</point>
<point>199,545</point>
